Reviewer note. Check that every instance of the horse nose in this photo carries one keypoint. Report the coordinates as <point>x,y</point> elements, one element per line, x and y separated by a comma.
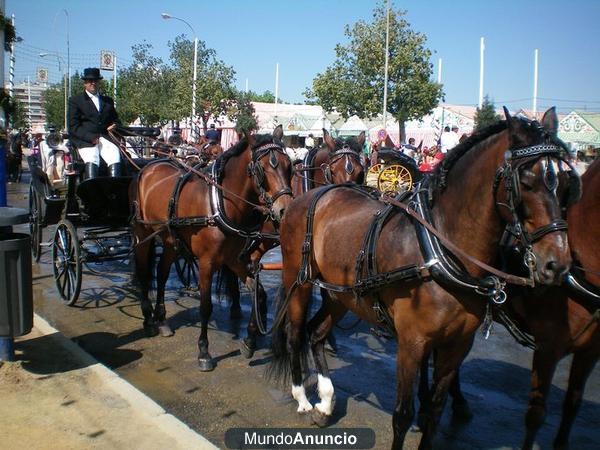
<point>555,271</point>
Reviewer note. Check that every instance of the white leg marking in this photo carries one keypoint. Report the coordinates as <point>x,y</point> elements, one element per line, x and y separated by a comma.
<point>326,395</point>
<point>299,395</point>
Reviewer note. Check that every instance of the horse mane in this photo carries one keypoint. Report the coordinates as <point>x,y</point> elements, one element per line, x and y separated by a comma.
<point>440,174</point>
<point>239,148</point>
<point>350,141</point>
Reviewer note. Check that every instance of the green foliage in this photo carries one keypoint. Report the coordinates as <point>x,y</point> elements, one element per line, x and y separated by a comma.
<point>486,116</point>
<point>10,34</point>
<point>265,97</point>
<point>14,110</point>
<point>242,112</point>
<point>354,82</point>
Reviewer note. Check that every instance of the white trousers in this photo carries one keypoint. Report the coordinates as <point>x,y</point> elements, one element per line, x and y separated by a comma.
<point>109,152</point>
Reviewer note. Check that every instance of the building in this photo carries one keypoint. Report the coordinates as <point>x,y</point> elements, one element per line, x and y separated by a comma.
<point>581,130</point>
<point>30,95</point>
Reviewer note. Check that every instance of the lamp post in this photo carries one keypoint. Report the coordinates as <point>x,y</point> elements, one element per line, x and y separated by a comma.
<point>68,58</point>
<point>167,16</point>
<point>59,59</point>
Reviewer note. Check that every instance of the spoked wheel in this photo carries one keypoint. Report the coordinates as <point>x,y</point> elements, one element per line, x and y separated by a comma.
<point>373,175</point>
<point>187,271</point>
<point>35,224</point>
<point>395,179</point>
<point>66,259</point>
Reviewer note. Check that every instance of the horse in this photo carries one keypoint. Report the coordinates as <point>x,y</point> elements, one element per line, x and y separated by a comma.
<point>14,158</point>
<point>337,161</point>
<point>368,263</point>
<point>209,218</point>
<point>562,321</point>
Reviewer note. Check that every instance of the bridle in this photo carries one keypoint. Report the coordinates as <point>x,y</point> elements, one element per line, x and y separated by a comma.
<point>257,172</point>
<point>344,152</point>
<point>515,160</point>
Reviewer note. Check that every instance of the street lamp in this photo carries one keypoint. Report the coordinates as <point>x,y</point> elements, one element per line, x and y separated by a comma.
<point>167,16</point>
<point>59,59</point>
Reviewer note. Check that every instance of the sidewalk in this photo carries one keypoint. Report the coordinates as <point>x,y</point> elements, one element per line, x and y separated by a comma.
<point>57,396</point>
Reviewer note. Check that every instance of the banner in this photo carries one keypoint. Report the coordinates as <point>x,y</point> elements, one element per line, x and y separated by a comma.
<point>42,75</point>
<point>107,60</point>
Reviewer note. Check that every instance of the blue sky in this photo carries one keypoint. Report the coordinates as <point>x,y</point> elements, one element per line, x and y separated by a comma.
<point>253,35</point>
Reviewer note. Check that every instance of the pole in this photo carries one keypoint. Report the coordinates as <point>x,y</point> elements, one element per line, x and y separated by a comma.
<point>246,85</point>
<point>535,82</point>
<point>11,70</point>
<point>5,343</point>
<point>387,58</point>
<point>440,71</point>
<point>481,50</point>
<point>68,53</point>
<point>276,89</point>
<point>194,85</point>
<point>115,80</point>
<point>66,101</point>
<point>29,102</point>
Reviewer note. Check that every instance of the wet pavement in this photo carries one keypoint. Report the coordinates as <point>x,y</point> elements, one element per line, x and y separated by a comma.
<point>106,322</point>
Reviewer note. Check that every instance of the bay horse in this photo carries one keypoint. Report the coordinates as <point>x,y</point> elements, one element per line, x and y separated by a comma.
<point>563,320</point>
<point>337,161</point>
<point>368,261</point>
<point>14,158</point>
<point>210,222</point>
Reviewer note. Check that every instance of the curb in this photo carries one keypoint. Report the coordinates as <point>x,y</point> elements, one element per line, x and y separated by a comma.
<point>167,423</point>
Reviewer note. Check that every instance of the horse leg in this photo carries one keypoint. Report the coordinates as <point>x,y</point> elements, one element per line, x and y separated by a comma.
<point>162,275</point>
<point>424,393</point>
<point>461,411</point>
<point>543,367</point>
<point>248,345</point>
<point>581,367</point>
<point>205,362</point>
<point>144,260</point>
<point>447,360</point>
<point>319,328</point>
<point>408,360</point>
<point>297,311</point>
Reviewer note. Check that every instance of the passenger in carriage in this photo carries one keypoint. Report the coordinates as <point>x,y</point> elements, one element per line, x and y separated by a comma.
<point>213,135</point>
<point>54,155</point>
<point>91,117</point>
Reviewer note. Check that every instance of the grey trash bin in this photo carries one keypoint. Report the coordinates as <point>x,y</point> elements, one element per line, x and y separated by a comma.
<point>16,299</point>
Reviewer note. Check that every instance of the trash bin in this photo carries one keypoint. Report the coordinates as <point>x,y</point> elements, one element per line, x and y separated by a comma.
<point>16,299</point>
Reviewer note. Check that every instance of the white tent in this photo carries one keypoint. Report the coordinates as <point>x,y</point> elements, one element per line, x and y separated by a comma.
<point>352,127</point>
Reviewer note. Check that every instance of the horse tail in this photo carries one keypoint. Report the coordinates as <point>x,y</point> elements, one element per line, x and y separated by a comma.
<point>225,284</point>
<point>280,367</point>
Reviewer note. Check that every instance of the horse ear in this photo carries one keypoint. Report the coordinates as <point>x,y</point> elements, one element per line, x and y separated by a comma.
<point>278,133</point>
<point>328,140</point>
<point>249,137</point>
<point>361,138</point>
<point>420,145</point>
<point>550,121</point>
<point>507,114</point>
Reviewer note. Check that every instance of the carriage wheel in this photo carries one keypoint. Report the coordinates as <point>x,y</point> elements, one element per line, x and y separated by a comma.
<point>66,258</point>
<point>187,271</point>
<point>35,224</point>
<point>373,175</point>
<point>395,179</point>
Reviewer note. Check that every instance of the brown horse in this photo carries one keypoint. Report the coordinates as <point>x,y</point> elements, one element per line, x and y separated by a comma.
<point>429,299</point>
<point>563,321</point>
<point>209,222</point>
<point>337,161</point>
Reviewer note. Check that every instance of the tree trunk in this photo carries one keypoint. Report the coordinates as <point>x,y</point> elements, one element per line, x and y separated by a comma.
<point>401,131</point>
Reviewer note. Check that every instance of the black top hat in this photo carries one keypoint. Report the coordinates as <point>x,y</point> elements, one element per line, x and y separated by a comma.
<point>91,73</point>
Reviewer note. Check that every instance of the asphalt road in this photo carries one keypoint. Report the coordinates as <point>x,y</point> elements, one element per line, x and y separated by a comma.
<point>107,322</point>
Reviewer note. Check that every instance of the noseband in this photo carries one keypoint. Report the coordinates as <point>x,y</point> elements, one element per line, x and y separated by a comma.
<point>257,172</point>
<point>345,151</point>
<point>510,173</point>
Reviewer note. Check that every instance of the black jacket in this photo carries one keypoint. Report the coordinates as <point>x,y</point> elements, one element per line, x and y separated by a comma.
<point>86,123</point>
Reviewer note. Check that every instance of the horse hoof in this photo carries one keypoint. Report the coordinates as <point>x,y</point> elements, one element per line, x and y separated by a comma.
<point>319,419</point>
<point>206,364</point>
<point>247,348</point>
<point>165,330</point>
<point>150,330</point>
<point>461,412</point>
<point>235,313</point>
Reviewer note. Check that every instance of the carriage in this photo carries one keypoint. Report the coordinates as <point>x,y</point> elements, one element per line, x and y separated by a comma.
<point>100,206</point>
<point>394,172</point>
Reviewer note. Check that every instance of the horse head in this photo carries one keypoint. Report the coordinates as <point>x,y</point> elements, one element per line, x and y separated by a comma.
<point>344,163</point>
<point>530,191</point>
<point>271,171</point>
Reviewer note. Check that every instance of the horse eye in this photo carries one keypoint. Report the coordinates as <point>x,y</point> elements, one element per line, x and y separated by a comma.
<point>528,179</point>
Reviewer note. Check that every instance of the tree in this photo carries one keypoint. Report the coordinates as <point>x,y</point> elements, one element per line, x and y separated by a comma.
<point>354,83</point>
<point>214,85</point>
<point>242,112</point>
<point>486,116</point>
<point>265,97</point>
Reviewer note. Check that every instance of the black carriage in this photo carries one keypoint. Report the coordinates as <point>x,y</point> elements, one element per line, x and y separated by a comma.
<point>99,206</point>
<point>394,172</point>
